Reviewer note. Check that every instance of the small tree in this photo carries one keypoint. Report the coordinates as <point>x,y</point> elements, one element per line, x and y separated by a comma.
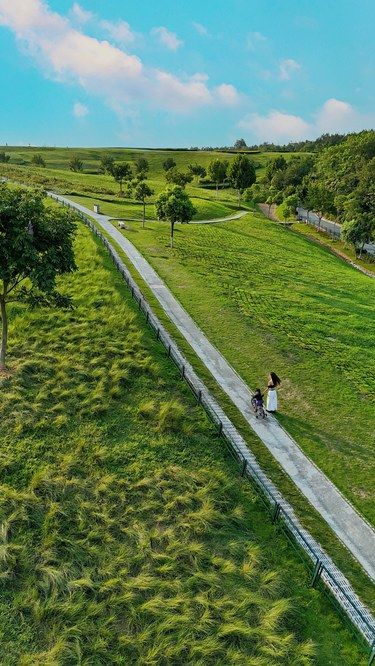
<point>35,248</point>
<point>75,164</point>
<point>4,158</point>
<point>241,174</point>
<point>291,204</point>
<point>122,172</point>
<point>320,200</point>
<point>175,177</point>
<point>240,144</point>
<point>174,205</point>
<point>217,170</point>
<point>197,170</point>
<point>358,232</point>
<point>169,163</point>
<point>143,192</point>
<point>106,163</point>
<point>141,167</point>
<point>38,160</point>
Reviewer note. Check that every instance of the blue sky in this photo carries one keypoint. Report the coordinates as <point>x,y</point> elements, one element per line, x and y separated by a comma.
<point>184,73</point>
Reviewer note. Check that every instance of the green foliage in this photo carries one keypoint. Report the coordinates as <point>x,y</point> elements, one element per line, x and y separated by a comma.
<point>169,163</point>
<point>143,192</point>
<point>175,177</point>
<point>107,163</point>
<point>142,166</point>
<point>241,174</point>
<point>4,158</point>
<point>38,160</point>
<point>197,170</point>
<point>76,164</point>
<point>358,232</point>
<point>35,248</point>
<point>174,205</point>
<point>121,172</point>
<point>217,170</point>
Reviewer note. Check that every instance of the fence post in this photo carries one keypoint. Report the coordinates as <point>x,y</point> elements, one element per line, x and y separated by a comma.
<point>158,333</point>
<point>276,512</point>
<point>244,466</point>
<point>220,428</point>
<point>317,573</point>
<point>199,398</point>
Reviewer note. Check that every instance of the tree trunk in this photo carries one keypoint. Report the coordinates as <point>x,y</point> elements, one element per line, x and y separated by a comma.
<point>4,332</point>
<point>144,215</point>
<point>172,232</point>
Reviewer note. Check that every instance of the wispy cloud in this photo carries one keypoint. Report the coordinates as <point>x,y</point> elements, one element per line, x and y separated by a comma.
<point>255,40</point>
<point>201,29</point>
<point>81,15</point>
<point>333,116</point>
<point>119,31</point>
<point>68,55</point>
<point>80,110</point>
<point>287,68</point>
<point>167,38</point>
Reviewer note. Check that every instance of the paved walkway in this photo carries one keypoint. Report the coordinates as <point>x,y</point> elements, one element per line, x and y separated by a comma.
<point>353,530</point>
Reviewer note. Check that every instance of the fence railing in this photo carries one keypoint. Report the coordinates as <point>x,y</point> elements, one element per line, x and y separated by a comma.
<point>324,572</point>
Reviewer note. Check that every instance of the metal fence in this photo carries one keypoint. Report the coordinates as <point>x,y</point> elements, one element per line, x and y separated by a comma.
<point>324,573</point>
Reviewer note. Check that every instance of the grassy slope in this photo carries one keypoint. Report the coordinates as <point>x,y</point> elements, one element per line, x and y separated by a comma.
<point>268,299</point>
<point>99,188</point>
<point>127,536</point>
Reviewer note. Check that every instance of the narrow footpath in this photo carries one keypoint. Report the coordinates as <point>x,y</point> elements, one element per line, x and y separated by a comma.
<point>350,527</point>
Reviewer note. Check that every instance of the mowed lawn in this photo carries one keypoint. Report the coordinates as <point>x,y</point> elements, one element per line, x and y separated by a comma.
<point>127,534</point>
<point>271,300</point>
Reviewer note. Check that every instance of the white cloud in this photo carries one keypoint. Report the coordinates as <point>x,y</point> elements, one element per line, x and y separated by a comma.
<point>287,68</point>
<point>80,110</point>
<point>334,116</point>
<point>167,38</point>
<point>68,55</point>
<point>227,94</point>
<point>255,40</point>
<point>275,126</point>
<point>119,31</point>
<point>201,29</point>
<point>79,14</point>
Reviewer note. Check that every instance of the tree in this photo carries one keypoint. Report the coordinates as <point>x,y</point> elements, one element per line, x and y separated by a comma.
<point>141,167</point>
<point>38,160</point>
<point>241,174</point>
<point>121,172</point>
<point>175,177</point>
<point>217,170</point>
<point>169,163</point>
<point>35,248</point>
<point>142,192</point>
<point>106,163</point>
<point>4,158</point>
<point>320,200</point>
<point>358,232</point>
<point>240,144</point>
<point>75,164</point>
<point>197,170</point>
<point>174,205</point>
<point>290,205</point>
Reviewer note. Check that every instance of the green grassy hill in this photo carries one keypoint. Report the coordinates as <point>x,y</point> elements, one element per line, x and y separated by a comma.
<point>98,188</point>
<point>127,536</point>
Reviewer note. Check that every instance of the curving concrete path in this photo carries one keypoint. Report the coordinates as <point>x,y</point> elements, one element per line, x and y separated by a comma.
<point>350,527</point>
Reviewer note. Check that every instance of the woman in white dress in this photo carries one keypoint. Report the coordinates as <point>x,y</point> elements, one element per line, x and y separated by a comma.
<point>273,382</point>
